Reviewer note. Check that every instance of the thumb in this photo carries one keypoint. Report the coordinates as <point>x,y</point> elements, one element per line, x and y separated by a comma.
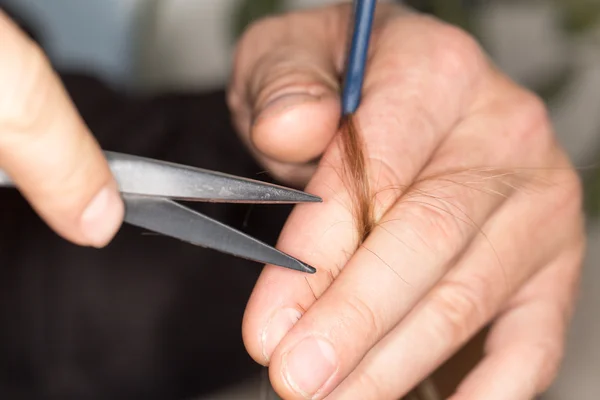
<point>47,150</point>
<point>284,92</point>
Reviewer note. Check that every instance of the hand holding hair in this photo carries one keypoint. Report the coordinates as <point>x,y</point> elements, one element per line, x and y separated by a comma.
<point>473,212</point>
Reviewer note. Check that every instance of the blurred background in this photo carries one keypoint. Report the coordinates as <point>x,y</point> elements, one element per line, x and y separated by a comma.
<point>550,46</point>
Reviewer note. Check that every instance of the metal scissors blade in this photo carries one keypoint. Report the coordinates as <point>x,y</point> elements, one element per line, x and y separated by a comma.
<point>149,177</point>
<point>149,188</point>
<point>173,219</point>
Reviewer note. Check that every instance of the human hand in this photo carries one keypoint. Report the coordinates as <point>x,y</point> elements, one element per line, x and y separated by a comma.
<point>48,151</point>
<point>475,208</point>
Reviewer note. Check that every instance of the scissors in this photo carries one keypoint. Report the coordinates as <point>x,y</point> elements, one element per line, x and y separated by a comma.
<point>151,190</point>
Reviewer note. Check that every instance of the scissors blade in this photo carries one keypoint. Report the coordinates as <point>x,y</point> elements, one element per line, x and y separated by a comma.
<point>170,218</point>
<point>154,178</point>
<point>149,177</point>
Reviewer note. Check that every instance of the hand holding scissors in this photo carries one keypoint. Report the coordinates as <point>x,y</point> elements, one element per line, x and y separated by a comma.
<point>85,194</point>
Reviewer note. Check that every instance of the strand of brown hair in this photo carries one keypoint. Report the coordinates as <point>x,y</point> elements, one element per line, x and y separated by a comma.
<point>355,170</point>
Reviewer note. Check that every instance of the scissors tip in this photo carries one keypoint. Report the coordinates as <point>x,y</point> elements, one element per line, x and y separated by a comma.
<point>303,197</point>
<point>291,196</point>
<point>280,259</point>
<point>306,268</point>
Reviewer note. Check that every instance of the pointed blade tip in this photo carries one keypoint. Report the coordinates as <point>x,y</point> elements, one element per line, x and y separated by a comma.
<point>297,196</point>
<point>313,199</point>
<point>304,267</point>
<point>310,270</point>
<point>303,197</point>
<point>296,265</point>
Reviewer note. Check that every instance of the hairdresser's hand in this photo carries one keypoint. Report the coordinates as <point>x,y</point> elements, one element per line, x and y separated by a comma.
<point>476,211</point>
<point>46,148</point>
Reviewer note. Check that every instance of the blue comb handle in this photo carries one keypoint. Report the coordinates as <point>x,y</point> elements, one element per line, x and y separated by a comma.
<point>357,57</point>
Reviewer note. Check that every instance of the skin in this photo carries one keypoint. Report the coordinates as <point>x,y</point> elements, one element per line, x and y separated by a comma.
<point>449,254</point>
<point>478,213</point>
<point>48,151</point>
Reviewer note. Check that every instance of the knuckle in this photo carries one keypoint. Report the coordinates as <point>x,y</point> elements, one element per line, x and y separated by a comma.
<point>436,223</point>
<point>457,309</point>
<point>370,387</point>
<point>456,53</point>
<point>531,130</point>
<point>534,106</point>
<point>282,71</point>
<point>571,196</point>
<point>533,114</point>
<point>564,187</point>
<point>531,121</point>
<point>358,316</point>
<point>447,54</point>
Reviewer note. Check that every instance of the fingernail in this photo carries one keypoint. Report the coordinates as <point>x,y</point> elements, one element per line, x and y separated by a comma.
<point>284,102</point>
<point>102,217</point>
<point>279,325</point>
<point>309,366</point>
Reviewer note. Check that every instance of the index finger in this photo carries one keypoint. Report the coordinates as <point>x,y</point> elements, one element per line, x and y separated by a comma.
<point>415,91</point>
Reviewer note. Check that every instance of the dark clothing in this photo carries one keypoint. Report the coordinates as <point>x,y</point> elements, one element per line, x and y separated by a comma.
<point>148,317</point>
